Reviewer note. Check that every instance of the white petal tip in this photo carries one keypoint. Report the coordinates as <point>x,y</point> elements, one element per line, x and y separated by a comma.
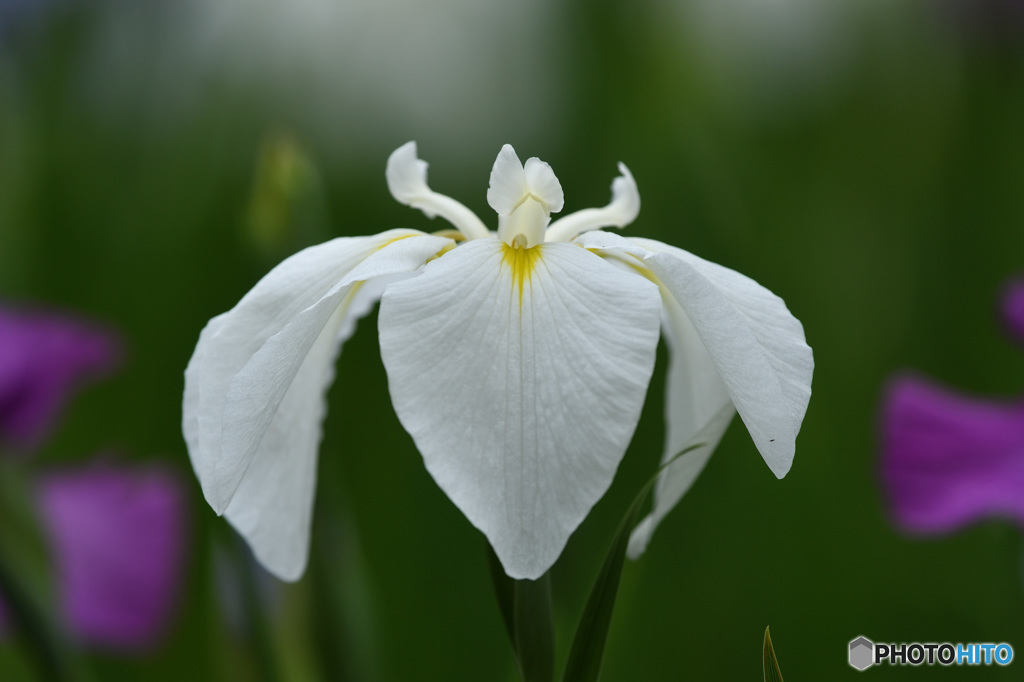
<point>625,197</point>
<point>507,183</point>
<point>406,174</point>
<point>216,497</point>
<point>780,470</point>
<point>639,538</point>
<point>292,574</point>
<point>524,575</point>
<point>289,569</point>
<point>777,456</point>
<point>543,184</point>
<point>520,565</point>
<point>284,557</point>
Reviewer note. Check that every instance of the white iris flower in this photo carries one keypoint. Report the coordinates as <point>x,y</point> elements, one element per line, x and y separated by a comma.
<point>517,360</point>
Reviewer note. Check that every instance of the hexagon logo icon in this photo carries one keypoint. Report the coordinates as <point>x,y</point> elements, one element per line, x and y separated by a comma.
<point>862,653</point>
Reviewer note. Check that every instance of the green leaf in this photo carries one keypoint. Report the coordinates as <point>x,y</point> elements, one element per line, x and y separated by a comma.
<point>771,665</point>
<point>592,632</point>
<point>26,581</point>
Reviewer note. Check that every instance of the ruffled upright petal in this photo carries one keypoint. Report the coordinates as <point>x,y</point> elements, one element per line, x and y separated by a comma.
<point>520,374</point>
<point>947,459</point>
<point>542,183</point>
<point>752,339</point>
<point>507,185</point>
<point>512,181</point>
<point>254,388</point>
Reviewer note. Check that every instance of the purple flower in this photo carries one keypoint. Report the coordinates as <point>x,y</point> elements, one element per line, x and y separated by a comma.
<point>1013,309</point>
<point>948,459</point>
<point>116,534</point>
<point>43,359</point>
<point>118,540</point>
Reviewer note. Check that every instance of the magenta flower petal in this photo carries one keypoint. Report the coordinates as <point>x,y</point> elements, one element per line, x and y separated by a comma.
<point>948,460</point>
<point>118,539</point>
<point>1013,308</point>
<point>43,358</point>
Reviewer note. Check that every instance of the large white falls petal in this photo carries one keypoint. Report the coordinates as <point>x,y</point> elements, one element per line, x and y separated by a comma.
<point>520,374</point>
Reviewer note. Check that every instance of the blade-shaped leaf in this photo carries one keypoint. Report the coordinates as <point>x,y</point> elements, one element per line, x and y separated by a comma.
<point>26,582</point>
<point>771,665</point>
<point>592,632</point>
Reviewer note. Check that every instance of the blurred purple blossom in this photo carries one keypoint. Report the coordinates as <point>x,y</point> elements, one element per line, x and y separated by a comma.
<point>116,534</point>
<point>1013,309</point>
<point>949,459</point>
<point>43,358</point>
<point>118,540</point>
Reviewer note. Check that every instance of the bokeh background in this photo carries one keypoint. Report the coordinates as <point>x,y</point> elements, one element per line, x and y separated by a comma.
<point>864,159</point>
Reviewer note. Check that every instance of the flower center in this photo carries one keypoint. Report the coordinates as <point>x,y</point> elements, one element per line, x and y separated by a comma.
<point>521,260</point>
<point>526,223</point>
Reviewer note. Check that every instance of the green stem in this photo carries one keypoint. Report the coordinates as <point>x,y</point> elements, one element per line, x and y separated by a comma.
<point>535,630</point>
<point>526,611</point>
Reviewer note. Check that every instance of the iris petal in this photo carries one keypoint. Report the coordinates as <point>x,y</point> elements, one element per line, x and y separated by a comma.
<point>751,337</point>
<point>520,374</point>
<point>254,389</point>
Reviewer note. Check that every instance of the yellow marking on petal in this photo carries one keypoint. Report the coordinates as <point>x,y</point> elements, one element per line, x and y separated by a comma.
<point>630,261</point>
<point>521,261</point>
<point>636,265</point>
<point>446,249</point>
<point>450,234</point>
<point>441,233</point>
<point>396,239</point>
<point>356,286</point>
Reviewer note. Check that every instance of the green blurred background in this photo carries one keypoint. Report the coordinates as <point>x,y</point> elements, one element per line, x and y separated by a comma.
<point>863,159</point>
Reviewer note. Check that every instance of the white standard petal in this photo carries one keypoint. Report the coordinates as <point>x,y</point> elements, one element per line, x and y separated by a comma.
<point>754,341</point>
<point>254,387</point>
<point>542,183</point>
<point>520,374</point>
<point>507,185</point>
